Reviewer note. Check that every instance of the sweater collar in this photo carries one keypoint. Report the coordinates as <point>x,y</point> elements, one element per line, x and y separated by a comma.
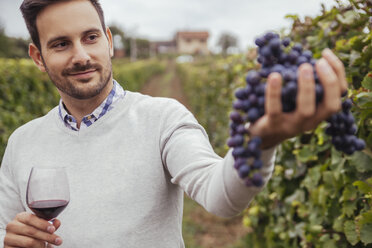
<point>109,103</point>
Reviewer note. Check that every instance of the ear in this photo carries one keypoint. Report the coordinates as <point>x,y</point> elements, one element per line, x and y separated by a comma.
<point>109,37</point>
<point>35,54</point>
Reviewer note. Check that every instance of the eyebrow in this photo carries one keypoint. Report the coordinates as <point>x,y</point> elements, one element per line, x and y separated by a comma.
<point>92,30</point>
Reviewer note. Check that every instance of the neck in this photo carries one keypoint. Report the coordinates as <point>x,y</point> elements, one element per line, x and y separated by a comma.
<point>79,108</point>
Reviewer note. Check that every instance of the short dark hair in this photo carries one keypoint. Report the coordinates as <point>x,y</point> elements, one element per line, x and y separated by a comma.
<point>31,8</point>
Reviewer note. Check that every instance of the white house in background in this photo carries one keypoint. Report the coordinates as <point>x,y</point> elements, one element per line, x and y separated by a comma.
<point>184,42</point>
<point>192,42</point>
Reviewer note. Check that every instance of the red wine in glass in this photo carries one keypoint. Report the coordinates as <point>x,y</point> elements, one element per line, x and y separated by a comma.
<point>47,191</point>
<point>48,209</point>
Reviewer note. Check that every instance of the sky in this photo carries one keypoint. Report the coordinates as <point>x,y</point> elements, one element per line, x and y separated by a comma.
<point>161,19</point>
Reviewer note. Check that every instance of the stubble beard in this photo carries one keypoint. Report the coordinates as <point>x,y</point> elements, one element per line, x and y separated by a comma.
<point>71,87</point>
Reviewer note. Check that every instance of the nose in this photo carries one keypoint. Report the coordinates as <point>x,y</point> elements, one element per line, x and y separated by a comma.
<point>80,55</point>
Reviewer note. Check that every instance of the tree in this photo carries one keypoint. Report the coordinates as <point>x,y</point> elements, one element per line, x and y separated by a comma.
<point>11,47</point>
<point>227,41</point>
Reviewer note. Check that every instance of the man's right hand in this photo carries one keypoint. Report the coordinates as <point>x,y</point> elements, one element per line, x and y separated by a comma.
<point>28,230</point>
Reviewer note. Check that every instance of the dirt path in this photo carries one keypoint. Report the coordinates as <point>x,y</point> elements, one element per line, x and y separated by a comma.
<point>166,85</point>
<point>200,228</point>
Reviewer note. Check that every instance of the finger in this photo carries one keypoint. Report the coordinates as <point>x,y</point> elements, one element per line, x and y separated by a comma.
<point>23,230</point>
<point>306,92</point>
<point>29,230</point>
<point>33,220</point>
<point>56,224</point>
<point>337,66</point>
<point>14,240</point>
<point>331,100</point>
<point>273,104</point>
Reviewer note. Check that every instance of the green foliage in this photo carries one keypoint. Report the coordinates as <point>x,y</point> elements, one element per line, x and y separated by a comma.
<point>317,196</point>
<point>134,75</point>
<point>12,47</point>
<point>27,93</point>
<point>209,87</point>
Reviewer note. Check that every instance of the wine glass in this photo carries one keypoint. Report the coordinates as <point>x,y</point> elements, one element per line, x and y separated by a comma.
<point>48,192</point>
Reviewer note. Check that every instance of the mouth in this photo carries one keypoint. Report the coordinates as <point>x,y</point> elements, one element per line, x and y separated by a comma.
<point>83,74</point>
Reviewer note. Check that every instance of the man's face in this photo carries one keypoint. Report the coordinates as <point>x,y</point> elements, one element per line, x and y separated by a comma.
<point>75,52</point>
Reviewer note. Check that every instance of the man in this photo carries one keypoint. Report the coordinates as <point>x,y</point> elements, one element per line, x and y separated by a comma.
<point>129,157</point>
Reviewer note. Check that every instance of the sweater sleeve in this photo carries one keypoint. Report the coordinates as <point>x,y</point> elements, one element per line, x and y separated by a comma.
<point>10,202</point>
<point>207,178</point>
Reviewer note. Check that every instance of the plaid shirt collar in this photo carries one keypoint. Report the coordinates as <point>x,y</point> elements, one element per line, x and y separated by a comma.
<point>116,93</point>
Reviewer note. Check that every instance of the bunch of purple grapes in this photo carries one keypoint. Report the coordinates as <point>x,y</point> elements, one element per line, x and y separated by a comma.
<point>281,56</point>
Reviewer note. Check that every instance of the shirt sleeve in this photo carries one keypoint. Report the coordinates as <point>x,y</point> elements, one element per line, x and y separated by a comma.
<point>10,202</point>
<point>210,180</point>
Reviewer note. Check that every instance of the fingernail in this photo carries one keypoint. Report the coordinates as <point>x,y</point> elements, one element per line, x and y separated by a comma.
<point>327,51</point>
<point>308,73</point>
<point>58,241</point>
<point>51,229</point>
<point>323,66</point>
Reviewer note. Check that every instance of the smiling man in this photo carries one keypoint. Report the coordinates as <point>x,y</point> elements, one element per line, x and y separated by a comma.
<point>129,157</point>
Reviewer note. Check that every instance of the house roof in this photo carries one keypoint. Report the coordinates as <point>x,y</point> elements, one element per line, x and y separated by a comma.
<point>192,34</point>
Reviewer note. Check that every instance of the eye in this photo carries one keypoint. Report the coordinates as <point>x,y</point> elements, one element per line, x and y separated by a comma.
<point>60,45</point>
<point>92,37</point>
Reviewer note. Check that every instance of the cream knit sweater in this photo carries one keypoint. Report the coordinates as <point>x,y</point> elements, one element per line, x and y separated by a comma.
<point>127,174</point>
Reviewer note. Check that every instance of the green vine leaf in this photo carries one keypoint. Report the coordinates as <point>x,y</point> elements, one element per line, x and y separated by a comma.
<point>350,232</point>
<point>367,81</point>
<point>361,161</point>
<point>363,187</point>
<point>365,226</point>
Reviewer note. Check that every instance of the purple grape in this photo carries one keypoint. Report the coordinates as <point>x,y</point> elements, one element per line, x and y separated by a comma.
<point>238,104</point>
<point>313,62</point>
<point>253,78</point>
<point>283,57</point>
<point>257,164</point>
<point>308,54</point>
<point>319,93</point>
<point>235,141</point>
<point>346,105</point>
<point>241,129</point>
<point>268,36</point>
<point>239,162</point>
<point>301,60</point>
<point>261,102</point>
<point>352,130</point>
<point>293,56</point>
<point>360,144</point>
<point>236,117</point>
<point>244,171</point>
<point>264,72</point>
<point>241,94</point>
<point>265,52</point>
<point>257,180</point>
<point>257,140</point>
<point>260,42</point>
<point>253,99</point>
<point>246,105</point>
<point>253,114</point>
<point>289,75</point>
<point>297,47</point>
<point>248,90</point>
<point>274,44</point>
<point>286,41</point>
<point>239,151</point>
<point>277,68</point>
<point>292,89</point>
<point>260,90</point>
